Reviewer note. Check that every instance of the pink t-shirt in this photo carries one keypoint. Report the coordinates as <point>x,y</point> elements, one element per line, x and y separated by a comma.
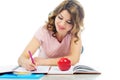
<point>50,47</point>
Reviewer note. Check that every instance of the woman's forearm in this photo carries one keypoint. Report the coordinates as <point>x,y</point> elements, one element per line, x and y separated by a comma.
<point>53,61</point>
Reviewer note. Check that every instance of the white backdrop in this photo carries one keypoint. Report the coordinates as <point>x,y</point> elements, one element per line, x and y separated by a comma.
<point>19,19</point>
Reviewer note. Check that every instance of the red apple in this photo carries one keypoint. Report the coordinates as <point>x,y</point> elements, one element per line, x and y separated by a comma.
<point>64,64</point>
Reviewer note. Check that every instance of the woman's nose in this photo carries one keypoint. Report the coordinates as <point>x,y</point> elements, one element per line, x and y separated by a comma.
<point>62,23</point>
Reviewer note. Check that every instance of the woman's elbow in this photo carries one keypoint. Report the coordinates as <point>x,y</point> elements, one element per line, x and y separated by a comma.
<point>73,62</point>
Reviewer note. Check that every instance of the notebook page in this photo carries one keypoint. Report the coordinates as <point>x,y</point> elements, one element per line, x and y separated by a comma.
<point>56,70</point>
<point>40,69</point>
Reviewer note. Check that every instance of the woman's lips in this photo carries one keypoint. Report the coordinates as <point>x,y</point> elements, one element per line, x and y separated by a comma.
<point>61,28</point>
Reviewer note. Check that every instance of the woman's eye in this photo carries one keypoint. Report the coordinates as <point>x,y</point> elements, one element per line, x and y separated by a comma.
<point>60,17</point>
<point>69,22</point>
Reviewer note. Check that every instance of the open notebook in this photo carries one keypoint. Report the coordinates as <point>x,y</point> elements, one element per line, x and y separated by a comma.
<point>77,69</point>
<point>39,69</point>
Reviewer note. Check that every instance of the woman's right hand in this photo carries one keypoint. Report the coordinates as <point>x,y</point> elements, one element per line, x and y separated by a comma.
<point>28,65</point>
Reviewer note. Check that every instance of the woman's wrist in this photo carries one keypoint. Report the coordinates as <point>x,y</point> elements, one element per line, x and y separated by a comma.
<point>21,61</point>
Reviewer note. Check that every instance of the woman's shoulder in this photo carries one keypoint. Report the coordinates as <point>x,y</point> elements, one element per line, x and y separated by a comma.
<point>44,26</point>
<point>41,32</point>
<point>45,30</point>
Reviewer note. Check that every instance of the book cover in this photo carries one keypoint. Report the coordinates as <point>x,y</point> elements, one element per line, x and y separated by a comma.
<point>27,76</point>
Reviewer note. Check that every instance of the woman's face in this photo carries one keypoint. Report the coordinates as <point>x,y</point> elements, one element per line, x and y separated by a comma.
<point>63,22</point>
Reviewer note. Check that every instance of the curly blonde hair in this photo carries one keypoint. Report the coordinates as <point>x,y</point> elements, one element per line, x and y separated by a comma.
<point>77,15</point>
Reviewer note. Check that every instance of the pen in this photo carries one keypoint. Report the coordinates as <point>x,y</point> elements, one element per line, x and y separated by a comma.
<point>30,54</point>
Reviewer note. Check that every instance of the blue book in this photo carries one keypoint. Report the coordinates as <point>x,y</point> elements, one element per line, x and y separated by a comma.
<point>17,76</point>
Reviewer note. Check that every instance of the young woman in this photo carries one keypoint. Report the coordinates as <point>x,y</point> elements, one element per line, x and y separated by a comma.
<point>59,37</point>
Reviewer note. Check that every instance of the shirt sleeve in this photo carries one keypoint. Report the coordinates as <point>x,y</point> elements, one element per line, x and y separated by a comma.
<point>40,34</point>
